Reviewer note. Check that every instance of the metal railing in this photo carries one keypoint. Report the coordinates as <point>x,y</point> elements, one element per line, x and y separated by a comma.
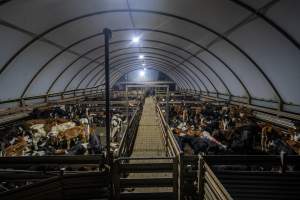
<point>172,146</point>
<point>227,177</point>
<point>57,97</point>
<point>9,162</point>
<point>125,165</point>
<point>173,150</point>
<point>128,139</point>
<point>76,186</point>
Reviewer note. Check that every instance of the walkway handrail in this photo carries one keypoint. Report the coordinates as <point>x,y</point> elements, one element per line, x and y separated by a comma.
<point>128,136</point>
<point>169,135</point>
<point>172,146</point>
<point>209,186</point>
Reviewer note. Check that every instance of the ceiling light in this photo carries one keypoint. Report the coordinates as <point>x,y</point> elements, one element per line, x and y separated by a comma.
<point>141,56</point>
<point>142,73</point>
<point>136,39</point>
<point>144,64</point>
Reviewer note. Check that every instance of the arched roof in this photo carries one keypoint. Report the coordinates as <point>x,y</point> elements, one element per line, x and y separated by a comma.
<point>238,48</point>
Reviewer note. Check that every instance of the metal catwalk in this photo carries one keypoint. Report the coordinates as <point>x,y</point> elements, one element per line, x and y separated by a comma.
<point>149,144</point>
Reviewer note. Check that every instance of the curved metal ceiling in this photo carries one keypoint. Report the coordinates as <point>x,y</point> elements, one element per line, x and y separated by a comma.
<point>235,48</point>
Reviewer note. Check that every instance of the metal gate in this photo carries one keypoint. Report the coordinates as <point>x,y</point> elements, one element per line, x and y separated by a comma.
<point>143,175</point>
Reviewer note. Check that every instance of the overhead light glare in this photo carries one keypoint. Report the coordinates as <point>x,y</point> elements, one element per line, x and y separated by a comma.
<point>142,73</point>
<point>141,56</point>
<point>135,39</point>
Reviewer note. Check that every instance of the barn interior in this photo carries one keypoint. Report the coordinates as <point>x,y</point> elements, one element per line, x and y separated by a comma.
<point>149,99</point>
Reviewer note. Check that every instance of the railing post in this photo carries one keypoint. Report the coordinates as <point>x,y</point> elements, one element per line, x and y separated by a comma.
<point>175,177</point>
<point>181,181</point>
<point>116,180</point>
<point>22,102</point>
<point>46,98</point>
<point>201,174</point>
<point>283,161</point>
<point>61,180</point>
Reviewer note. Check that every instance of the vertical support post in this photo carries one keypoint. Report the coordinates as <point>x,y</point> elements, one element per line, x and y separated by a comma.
<point>22,103</point>
<point>107,36</point>
<point>283,161</point>
<point>116,179</point>
<point>201,177</point>
<point>175,177</point>
<point>249,100</point>
<point>61,181</point>
<point>46,98</point>
<point>127,106</point>
<point>181,179</point>
<point>167,105</point>
<point>280,105</point>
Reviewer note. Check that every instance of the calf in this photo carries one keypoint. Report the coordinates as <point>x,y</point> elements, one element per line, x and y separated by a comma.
<point>16,149</point>
<point>71,134</point>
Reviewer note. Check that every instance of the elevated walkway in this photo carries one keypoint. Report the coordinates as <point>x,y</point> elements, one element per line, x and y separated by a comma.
<point>149,151</point>
<point>149,141</point>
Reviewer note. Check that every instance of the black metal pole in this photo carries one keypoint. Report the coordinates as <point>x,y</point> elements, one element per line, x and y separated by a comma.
<point>107,36</point>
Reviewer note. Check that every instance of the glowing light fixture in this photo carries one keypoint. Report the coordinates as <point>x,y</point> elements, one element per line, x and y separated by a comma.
<point>142,73</point>
<point>141,56</point>
<point>135,39</point>
<point>144,64</point>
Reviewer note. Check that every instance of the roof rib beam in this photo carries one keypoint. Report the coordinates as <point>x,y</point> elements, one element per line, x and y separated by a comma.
<point>152,12</point>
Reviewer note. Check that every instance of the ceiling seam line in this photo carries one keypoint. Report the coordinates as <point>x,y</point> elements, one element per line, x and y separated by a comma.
<point>129,61</point>
<point>157,63</point>
<point>42,39</point>
<point>52,84</point>
<point>132,59</point>
<point>132,68</point>
<point>148,59</point>
<point>245,21</point>
<point>164,69</point>
<point>182,49</point>
<point>118,76</point>
<point>132,53</point>
<point>129,48</point>
<point>269,21</point>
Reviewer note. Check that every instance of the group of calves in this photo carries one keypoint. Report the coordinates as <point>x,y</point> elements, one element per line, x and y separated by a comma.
<point>56,131</point>
<point>213,129</point>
